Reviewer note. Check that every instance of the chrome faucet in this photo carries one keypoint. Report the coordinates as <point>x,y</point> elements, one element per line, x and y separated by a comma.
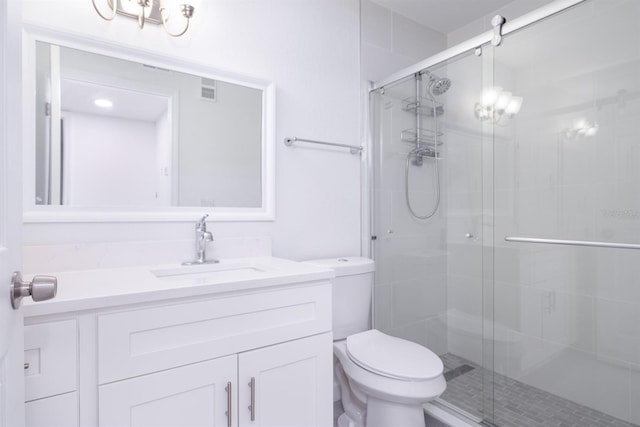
<point>202,238</point>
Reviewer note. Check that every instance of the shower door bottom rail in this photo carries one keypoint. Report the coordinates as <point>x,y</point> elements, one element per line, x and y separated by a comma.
<point>596,244</point>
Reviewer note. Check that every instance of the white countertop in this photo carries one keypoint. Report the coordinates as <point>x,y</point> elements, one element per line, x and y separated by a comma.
<point>93,289</point>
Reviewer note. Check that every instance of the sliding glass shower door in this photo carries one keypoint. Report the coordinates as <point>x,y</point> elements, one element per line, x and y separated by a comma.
<point>517,258</point>
<point>566,216</point>
<point>428,220</point>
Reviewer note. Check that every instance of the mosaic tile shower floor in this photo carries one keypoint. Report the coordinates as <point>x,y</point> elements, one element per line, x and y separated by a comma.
<point>517,404</point>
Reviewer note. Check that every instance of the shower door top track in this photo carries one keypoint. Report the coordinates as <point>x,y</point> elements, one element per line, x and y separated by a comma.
<point>475,42</point>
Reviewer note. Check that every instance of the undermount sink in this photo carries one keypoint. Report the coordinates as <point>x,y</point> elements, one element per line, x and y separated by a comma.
<point>203,273</point>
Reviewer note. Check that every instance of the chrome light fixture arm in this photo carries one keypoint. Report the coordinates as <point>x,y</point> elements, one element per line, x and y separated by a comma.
<point>146,11</point>
<point>141,16</point>
<point>187,12</point>
<point>114,7</point>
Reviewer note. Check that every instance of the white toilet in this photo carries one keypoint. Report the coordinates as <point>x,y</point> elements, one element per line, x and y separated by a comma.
<point>384,381</point>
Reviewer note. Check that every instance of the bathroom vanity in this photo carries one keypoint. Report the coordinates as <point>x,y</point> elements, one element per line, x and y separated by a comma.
<point>238,343</point>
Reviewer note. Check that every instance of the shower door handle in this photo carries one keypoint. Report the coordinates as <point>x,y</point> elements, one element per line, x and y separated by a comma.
<point>595,244</point>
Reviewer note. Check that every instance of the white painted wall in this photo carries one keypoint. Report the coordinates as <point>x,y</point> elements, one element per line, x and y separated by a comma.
<point>108,161</point>
<point>164,165</point>
<point>43,96</point>
<point>219,155</point>
<point>310,51</point>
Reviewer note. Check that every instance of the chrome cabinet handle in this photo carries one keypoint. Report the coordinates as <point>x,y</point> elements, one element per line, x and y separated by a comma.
<point>41,288</point>
<point>252,406</point>
<point>228,413</point>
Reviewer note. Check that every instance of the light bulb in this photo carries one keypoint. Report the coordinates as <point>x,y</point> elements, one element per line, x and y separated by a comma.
<point>490,95</point>
<point>514,105</point>
<point>103,103</point>
<point>592,130</point>
<point>579,123</point>
<point>503,101</point>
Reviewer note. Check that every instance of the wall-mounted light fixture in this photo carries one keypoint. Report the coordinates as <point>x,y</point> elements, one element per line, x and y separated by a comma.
<point>152,11</point>
<point>581,128</point>
<point>497,103</point>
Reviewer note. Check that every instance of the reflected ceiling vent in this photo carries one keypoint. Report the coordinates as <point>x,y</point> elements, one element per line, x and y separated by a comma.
<point>209,91</point>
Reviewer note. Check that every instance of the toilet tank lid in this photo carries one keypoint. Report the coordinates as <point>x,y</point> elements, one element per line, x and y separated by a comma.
<point>345,266</point>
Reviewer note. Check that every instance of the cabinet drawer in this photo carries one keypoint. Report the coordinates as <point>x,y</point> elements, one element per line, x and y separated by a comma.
<point>50,355</point>
<point>148,340</point>
<point>56,411</point>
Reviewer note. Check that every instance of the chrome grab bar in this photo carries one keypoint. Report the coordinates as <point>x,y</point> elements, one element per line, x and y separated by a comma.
<point>615,245</point>
<point>353,148</point>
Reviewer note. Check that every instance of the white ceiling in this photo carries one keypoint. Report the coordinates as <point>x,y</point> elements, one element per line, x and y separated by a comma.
<point>443,15</point>
<point>79,97</point>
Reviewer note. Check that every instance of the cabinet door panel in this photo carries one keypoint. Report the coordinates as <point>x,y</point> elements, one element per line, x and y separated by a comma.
<point>50,352</point>
<point>192,395</point>
<point>293,384</point>
<point>56,411</point>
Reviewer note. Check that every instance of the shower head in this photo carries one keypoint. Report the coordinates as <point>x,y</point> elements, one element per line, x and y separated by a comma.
<point>438,85</point>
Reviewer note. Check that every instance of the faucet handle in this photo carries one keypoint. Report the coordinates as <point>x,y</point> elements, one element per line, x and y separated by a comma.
<point>201,224</point>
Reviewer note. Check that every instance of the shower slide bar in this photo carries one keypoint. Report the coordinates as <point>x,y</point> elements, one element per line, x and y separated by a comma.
<point>475,42</point>
<point>614,245</point>
<point>353,148</point>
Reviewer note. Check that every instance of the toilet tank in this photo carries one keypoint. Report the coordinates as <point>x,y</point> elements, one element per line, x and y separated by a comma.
<point>352,289</point>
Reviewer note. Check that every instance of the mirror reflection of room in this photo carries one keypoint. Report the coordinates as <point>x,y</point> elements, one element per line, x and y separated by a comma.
<point>116,133</point>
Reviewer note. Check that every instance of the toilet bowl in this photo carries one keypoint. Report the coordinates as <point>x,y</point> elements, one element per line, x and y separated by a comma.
<point>383,380</point>
<point>389,377</point>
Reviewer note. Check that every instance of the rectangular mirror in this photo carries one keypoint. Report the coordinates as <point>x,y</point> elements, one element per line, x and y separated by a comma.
<point>116,139</point>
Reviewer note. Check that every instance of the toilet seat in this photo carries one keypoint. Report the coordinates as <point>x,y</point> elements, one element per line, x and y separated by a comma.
<point>393,357</point>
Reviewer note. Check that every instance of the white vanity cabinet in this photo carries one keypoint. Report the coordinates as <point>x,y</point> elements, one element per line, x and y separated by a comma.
<point>287,384</point>
<point>260,357</point>
<point>50,370</point>
<point>281,385</point>
<point>192,395</point>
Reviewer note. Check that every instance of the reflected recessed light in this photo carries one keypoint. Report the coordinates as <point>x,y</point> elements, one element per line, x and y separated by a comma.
<point>104,103</point>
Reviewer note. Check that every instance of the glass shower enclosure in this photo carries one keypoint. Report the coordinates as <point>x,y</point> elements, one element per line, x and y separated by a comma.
<point>506,216</point>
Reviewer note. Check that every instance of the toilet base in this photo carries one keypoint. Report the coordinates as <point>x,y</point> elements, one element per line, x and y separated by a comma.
<point>381,413</point>
<point>345,421</point>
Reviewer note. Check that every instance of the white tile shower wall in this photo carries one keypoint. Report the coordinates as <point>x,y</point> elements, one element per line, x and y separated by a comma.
<point>510,11</point>
<point>410,277</point>
<point>391,41</point>
<point>316,72</point>
<point>464,215</point>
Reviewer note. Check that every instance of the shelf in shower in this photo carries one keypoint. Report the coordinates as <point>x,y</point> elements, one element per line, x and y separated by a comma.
<point>427,137</point>
<point>425,106</point>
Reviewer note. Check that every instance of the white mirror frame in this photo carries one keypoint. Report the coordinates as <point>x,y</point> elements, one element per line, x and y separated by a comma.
<point>33,213</point>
